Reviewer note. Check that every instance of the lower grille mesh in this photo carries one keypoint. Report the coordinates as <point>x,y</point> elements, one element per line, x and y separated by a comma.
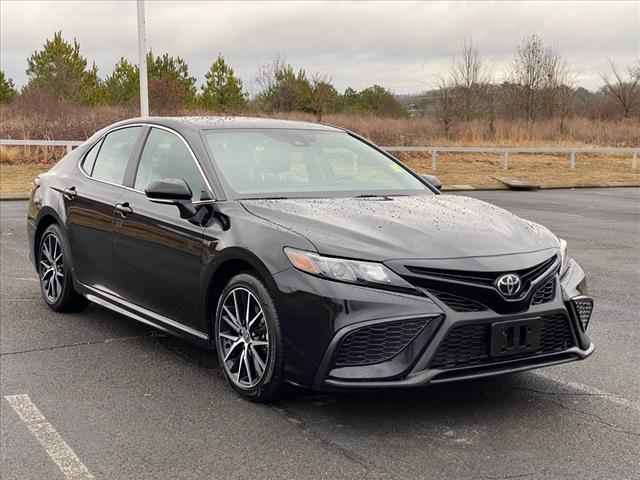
<point>377,343</point>
<point>584,309</point>
<point>468,345</point>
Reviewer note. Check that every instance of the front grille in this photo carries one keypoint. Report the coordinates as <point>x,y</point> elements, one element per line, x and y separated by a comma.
<point>468,345</point>
<point>377,343</point>
<point>458,303</point>
<point>475,291</point>
<point>545,293</point>
<point>479,277</point>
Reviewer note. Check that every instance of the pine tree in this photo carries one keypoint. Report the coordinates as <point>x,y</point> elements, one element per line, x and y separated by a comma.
<point>222,90</point>
<point>171,87</point>
<point>122,87</point>
<point>7,90</point>
<point>59,70</point>
<point>284,89</point>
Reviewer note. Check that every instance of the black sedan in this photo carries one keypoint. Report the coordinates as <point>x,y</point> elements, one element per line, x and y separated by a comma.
<point>304,254</point>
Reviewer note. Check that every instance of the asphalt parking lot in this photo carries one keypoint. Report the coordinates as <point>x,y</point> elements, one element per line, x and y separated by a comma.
<point>118,401</point>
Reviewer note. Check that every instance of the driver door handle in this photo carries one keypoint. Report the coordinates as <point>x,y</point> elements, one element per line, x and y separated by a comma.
<point>124,209</point>
<point>70,193</point>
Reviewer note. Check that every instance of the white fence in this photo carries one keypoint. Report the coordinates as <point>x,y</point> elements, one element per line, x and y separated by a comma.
<point>68,144</point>
<point>571,153</point>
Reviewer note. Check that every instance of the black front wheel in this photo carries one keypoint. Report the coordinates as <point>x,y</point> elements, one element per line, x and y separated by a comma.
<point>54,270</point>
<point>248,339</point>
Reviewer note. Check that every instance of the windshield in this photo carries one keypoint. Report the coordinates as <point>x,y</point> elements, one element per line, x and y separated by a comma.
<point>283,163</point>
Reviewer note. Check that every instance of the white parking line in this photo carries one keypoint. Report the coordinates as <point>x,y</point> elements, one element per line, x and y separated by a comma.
<point>589,390</point>
<point>26,279</point>
<point>55,446</point>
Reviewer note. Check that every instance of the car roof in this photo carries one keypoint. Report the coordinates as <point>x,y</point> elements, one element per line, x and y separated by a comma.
<point>214,122</point>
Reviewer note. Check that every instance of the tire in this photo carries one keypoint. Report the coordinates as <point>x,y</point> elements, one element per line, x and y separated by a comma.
<point>254,370</point>
<point>55,272</point>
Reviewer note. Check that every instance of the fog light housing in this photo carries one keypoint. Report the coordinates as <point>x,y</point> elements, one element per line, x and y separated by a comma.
<point>583,306</point>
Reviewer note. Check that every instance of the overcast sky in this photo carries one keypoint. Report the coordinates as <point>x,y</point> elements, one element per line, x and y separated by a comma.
<point>402,46</point>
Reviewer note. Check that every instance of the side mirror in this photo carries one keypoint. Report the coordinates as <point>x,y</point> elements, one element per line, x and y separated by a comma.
<point>433,180</point>
<point>168,190</point>
<point>172,191</point>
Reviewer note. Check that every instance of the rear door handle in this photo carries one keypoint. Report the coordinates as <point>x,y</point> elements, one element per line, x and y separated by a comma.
<point>124,209</point>
<point>70,193</point>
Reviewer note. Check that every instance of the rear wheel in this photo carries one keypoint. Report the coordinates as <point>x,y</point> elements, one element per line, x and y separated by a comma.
<point>248,339</point>
<point>54,270</point>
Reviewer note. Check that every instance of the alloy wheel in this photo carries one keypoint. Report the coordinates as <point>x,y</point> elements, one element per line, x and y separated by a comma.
<point>51,267</point>
<point>243,337</point>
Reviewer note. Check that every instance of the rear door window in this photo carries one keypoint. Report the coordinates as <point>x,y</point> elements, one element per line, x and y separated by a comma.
<point>114,155</point>
<point>90,159</point>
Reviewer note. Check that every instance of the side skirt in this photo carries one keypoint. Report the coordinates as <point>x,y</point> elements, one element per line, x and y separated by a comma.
<point>142,315</point>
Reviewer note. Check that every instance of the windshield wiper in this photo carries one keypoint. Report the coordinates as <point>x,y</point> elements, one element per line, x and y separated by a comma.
<point>265,198</point>
<point>386,196</point>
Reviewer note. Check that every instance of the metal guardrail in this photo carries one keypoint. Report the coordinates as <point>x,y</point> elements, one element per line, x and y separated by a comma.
<point>572,152</point>
<point>68,144</point>
<point>634,153</point>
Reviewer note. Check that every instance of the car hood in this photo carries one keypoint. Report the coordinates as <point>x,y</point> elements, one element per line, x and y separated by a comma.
<point>421,226</point>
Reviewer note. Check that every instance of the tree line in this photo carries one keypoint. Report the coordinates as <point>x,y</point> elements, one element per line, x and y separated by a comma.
<point>539,85</point>
<point>59,71</point>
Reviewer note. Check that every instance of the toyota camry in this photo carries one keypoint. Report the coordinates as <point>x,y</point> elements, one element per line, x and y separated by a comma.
<point>302,254</point>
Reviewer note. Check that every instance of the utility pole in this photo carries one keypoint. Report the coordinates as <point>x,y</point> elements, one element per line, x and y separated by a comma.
<point>142,64</point>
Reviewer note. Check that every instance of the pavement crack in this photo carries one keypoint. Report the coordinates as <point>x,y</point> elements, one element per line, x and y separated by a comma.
<point>506,477</point>
<point>596,418</point>
<point>332,446</point>
<point>78,344</point>
<point>585,391</point>
<point>563,394</point>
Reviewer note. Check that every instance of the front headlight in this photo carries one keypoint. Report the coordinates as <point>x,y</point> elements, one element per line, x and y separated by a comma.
<point>343,270</point>
<point>564,257</point>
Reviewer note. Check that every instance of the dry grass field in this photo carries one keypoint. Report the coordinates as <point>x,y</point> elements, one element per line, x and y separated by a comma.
<point>76,122</point>
<point>427,131</point>
<point>479,170</point>
<point>453,169</point>
<point>16,180</point>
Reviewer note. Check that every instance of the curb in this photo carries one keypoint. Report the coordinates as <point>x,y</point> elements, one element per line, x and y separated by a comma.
<point>603,185</point>
<point>464,188</point>
<point>15,197</point>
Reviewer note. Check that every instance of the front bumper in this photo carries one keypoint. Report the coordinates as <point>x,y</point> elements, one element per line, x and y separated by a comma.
<point>320,316</point>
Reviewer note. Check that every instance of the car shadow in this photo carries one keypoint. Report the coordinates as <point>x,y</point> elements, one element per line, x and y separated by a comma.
<point>486,393</point>
<point>499,394</point>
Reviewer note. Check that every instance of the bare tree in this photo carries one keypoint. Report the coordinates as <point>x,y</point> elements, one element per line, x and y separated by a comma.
<point>490,98</point>
<point>510,99</point>
<point>468,76</point>
<point>565,95</point>
<point>624,91</point>
<point>446,105</point>
<point>553,68</point>
<point>266,80</point>
<point>558,91</point>
<point>532,67</point>
<point>266,76</point>
<point>323,95</point>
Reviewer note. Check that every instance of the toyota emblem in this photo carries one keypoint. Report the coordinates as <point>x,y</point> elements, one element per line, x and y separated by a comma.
<point>509,285</point>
